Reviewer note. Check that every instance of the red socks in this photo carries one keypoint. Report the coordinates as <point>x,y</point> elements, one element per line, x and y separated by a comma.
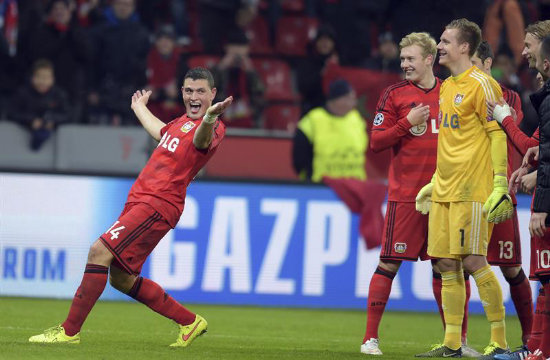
<point>436,288</point>
<point>379,292</point>
<point>152,295</point>
<point>544,345</point>
<point>520,290</point>
<point>90,289</point>
<point>536,331</point>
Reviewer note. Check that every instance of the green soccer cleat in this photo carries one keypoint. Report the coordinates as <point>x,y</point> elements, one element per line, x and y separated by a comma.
<point>491,350</point>
<point>56,335</point>
<point>441,351</point>
<point>190,332</point>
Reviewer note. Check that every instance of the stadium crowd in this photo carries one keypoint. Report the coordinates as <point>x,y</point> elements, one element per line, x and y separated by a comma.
<point>272,55</point>
<point>84,59</point>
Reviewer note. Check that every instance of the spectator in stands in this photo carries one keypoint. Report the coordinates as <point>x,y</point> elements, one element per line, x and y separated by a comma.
<point>321,51</point>
<point>235,76</point>
<point>505,14</point>
<point>88,12</point>
<point>220,17</point>
<point>40,106</point>
<point>121,45</point>
<point>504,71</point>
<point>162,68</point>
<point>60,40</point>
<point>386,58</point>
<point>6,75</point>
<point>332,140</point>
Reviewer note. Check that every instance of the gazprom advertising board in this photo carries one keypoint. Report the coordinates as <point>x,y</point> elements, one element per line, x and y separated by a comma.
<point>236,243</point>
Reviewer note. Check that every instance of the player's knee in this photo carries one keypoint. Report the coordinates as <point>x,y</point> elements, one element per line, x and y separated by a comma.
<point>448,265</point>
<point>473,263</point>
<point>391,266</point>
<point>510,272</point>
<point>99,254</point>
<point>121,281</point>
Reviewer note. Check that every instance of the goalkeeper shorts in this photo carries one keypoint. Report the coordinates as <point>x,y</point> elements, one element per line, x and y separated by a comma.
<point>457,229</point>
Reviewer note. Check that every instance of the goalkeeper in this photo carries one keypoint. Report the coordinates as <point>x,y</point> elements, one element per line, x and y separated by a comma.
<point>468,192</point>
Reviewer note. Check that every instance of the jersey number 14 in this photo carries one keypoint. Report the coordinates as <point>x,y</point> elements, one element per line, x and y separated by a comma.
<point>115,231</point>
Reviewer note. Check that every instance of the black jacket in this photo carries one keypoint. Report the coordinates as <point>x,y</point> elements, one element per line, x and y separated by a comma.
<point>27,104</point>
<point>541,103</point>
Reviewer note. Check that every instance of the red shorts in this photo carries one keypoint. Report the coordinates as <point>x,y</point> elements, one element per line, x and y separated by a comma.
<point>540,256</point>
<point>134,235</point>
<point>505,244</point>
<point>405,235</point>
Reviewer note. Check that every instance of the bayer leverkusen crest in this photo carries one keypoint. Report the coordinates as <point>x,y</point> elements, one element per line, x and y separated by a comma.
<point>187,126</point>
<point>458,99</point>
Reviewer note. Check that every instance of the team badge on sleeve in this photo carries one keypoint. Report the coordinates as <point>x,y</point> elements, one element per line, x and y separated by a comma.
<point>187,126</point>
<point>378,119</point>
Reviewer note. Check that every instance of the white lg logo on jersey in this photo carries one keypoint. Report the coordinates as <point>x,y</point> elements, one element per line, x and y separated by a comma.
<point>169,143</point>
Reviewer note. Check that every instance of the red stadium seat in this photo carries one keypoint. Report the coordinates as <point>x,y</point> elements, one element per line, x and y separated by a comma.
<point>293,35</point>
<point>281,117</point>
<point>206,61</point>
<point>276,77</point>
<point>258,35</point>
<point>295,6</point>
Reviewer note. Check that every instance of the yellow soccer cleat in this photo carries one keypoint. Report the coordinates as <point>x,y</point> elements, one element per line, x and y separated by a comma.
<point>190,332</point>
<point>55,334</point>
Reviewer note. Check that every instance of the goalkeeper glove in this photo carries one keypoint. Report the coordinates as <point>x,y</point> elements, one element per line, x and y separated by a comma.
<point>498,206</point>
<point>500,112</point>
<point>424,198</point>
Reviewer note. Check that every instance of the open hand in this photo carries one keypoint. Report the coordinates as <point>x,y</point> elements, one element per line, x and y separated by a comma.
<point>140,97</point>
<point>218,108</point>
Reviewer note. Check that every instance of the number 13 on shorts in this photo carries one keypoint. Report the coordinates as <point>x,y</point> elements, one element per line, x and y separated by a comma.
<point>115,231</point>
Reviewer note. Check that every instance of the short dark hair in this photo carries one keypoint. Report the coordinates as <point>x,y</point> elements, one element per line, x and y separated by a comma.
<point>41,64</point>
<point>200,73</point>
<point>468,32</point>
<point>545,48</point>
<point>484,51</point>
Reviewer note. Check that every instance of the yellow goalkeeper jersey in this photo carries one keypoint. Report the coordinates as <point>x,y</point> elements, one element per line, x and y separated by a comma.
<point>464,168</point>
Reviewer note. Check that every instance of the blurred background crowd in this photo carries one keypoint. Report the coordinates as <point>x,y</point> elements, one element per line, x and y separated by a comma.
<point>79,61</point>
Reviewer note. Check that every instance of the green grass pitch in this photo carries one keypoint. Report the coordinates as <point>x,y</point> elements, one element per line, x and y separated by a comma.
<point>123,330</point>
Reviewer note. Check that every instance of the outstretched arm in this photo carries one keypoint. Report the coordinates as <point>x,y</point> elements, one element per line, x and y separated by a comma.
<point>149,121</point>
<point>203,135</point>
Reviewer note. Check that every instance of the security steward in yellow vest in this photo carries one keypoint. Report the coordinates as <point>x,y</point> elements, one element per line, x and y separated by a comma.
<point>332,140</point>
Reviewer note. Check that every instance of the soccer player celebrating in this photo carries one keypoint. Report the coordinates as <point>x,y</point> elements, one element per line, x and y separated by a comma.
<point>404,122</point>
<point>153,207</point>
<point>540,234</point>
<point>505,245</point>
<point>469,189</point>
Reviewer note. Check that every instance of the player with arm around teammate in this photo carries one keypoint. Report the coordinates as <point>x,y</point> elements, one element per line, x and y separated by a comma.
<point>405,123</point>
<point>505,245</point>
<point>153,207</point>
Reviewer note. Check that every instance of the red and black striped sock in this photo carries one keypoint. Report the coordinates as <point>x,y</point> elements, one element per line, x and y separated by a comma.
<point>153,296</point>
<point>379,292</point>
<point>90,289</point>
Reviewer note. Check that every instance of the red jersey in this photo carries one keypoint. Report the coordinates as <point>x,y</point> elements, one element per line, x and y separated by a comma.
<point>414,148</point>
<point>163,181</point>
<point>512,98</point>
